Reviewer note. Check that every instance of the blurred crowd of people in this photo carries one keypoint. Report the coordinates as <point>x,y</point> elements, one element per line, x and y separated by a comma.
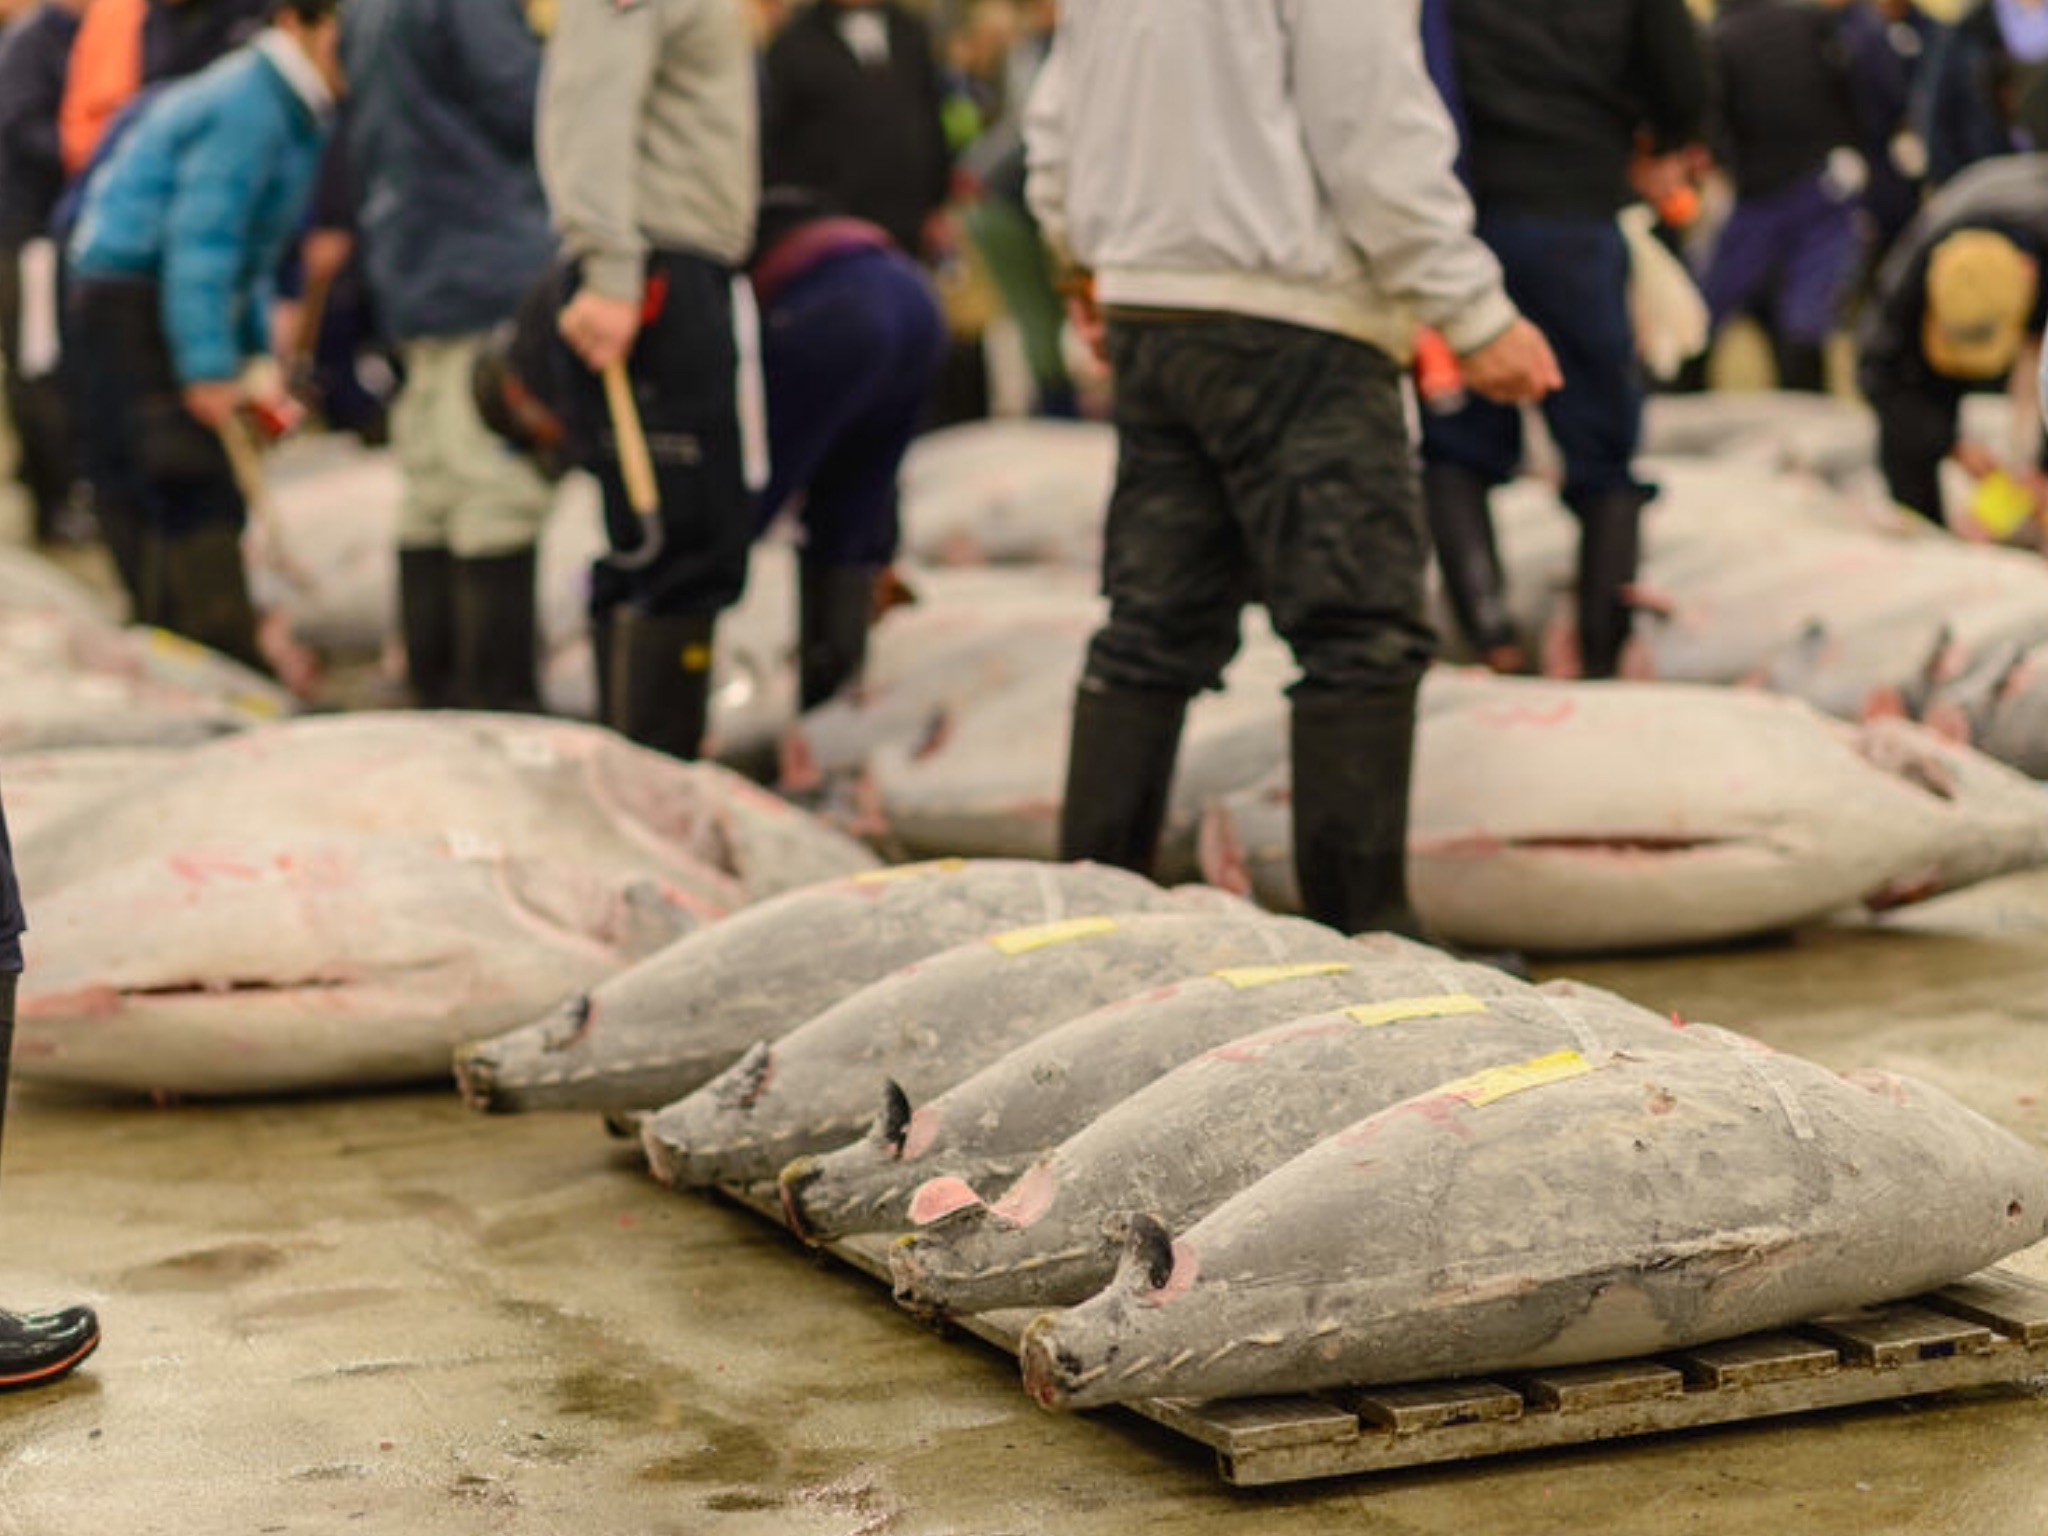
<point>191,187</point>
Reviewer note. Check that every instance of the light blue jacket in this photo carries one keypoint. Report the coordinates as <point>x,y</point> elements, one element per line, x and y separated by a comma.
<point>202,196</point>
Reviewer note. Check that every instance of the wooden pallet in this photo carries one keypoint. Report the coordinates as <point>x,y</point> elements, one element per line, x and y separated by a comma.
<point>1991,1329</point>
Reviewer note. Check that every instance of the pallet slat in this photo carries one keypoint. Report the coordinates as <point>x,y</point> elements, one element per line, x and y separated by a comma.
<point>1757,1361</point>
<point>1889,1337</point>
<point>1586,1387</point>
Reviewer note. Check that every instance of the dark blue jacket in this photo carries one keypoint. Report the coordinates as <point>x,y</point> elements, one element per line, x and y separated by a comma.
<point>1976,100</point>
<point>11,922</point>
<point>33,56</point>
<point>440,134</point>
<point>203,195</point>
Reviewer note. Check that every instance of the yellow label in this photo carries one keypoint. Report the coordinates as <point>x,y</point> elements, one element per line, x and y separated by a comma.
<point>909,871</point>
<point>1249,978</point>
<point>1022,941</point>
<point>1483,1088</point>
<point>176,647</point>
<point>2002,505</point>
<point>696,657</point>
<point>1444,1005</point>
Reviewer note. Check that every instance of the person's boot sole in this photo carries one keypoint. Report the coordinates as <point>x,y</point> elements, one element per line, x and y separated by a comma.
<point>45,1373</point>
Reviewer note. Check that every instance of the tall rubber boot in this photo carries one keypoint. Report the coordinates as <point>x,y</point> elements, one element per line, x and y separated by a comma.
<point>660,684</point>
<point>1461,526</point>
<point>202,590</point>
<point>1353,753</point>
<point>496,633</point>
<point>1610,533</point>
<point>426,623</point>
<point>1802,365</point>
<point>835,605</point>
<point>1119,770</point>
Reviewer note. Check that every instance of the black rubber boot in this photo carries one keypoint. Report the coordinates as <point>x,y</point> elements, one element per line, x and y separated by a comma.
<point>1802,365</point>
<point>1352,755</point>
<point>660,683</point>
<point>496,633</point>
<point>835,605</point>
<point>1610,534</point>
<point>1461,527</point>
<point>200,590</point>
<point>1119,771</point>
<point>426,622</point>
<point>39,1347</point>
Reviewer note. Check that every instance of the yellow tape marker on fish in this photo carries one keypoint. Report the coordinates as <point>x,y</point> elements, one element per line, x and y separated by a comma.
<point>1496,1083</point>
<point>1444,1005</point>
<point>1249,978</point>
<point>1022,941</point>
<point>909,871</point>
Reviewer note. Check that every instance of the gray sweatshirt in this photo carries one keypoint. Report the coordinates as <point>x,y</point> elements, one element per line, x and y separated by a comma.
<point>1288,159</point>
<point>649,134</point>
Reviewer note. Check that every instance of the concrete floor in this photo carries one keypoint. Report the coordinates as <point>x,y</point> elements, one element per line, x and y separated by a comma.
<point>383,1314</point>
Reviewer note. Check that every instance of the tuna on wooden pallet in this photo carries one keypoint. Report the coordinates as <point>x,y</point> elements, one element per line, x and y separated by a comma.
<point>1989,1329</point>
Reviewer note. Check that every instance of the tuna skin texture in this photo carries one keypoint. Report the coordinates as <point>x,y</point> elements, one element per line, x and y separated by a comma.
<point>1556,1212</point>
<point>655,1032</point>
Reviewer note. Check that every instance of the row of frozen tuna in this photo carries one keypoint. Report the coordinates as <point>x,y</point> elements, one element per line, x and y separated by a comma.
<point>1249,1155</point>
<point>1545,815</point>
<point>340,900</point>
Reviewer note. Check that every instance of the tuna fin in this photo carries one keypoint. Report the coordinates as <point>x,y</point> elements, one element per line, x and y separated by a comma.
<point>573,1020</point>
<point>894,1123</point>
<point>1149,1246</point>
<point>746,1079</point>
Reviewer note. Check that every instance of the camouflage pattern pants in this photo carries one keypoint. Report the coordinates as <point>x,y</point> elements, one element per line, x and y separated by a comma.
<point>1259,462</point>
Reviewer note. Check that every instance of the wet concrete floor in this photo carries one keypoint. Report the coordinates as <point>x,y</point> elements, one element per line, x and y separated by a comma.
<point>383,1314</point>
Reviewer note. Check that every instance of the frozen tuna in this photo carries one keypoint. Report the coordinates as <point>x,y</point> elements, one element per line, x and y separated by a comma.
<point>984,1131</point>
<point>1562,816</point>
<point>531,787</point>
<point>940,1020</point>
<point>1184,1144</point>
<point>661,1029</point>
<point>1550,1212</point>
<point>1008,491</point>
<point>262,968</point>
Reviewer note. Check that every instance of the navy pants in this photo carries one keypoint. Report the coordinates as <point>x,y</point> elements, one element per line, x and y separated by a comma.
<point>1796,249</point>
<point>850,349</point>
<point>1569,276</point>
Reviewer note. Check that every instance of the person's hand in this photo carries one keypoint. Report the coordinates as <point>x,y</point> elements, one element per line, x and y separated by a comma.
<point>212,401</point>
<point>1085,316</point>
<point>1516,366</point>
<point>599,329</point>
<point>323,253</point>
<point>1976,460</point>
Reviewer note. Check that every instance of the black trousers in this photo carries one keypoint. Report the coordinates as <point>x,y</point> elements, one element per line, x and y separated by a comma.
<point>36,406</point>
<point>1259,462</point>
<point>683,368</point>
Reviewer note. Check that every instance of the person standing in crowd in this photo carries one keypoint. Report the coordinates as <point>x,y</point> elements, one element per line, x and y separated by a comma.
<point>1556,95</point>
<point>1958,306</point>
<point>34,53</point>
<point>172,264</point>
<point>1263,193</point>
<point>853,112</point>
<point>36,1348</point>
<point>1985,91</point>
<point>1787,130</point>
<point>455,229</point>
<point>852,338</point>
<point>649,154</point>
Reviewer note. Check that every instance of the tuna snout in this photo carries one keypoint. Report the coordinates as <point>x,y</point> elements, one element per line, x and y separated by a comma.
<point>795,1179</point>
<point>1050,1374</point>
